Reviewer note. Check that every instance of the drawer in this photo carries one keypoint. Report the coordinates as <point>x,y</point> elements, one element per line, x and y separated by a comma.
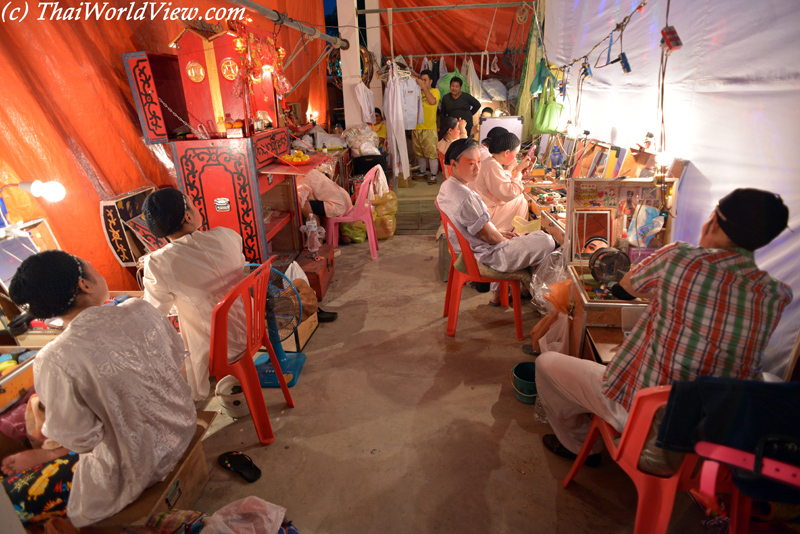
<point>553,227</point>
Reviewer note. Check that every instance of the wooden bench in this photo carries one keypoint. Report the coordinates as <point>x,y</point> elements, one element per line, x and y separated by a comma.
<point>179,490</point>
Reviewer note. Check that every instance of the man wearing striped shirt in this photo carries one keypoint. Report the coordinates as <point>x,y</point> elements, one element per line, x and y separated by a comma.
<point>711,312</point>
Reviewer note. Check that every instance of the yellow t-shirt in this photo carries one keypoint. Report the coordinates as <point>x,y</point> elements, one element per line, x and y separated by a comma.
<point>429,110</point>
<point>380,129</point>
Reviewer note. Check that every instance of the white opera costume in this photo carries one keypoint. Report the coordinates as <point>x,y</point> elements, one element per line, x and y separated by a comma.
<point>113,393</point>
<point>193,273</point>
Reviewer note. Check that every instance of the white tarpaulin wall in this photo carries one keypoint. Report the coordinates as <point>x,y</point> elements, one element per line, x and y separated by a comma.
<point>732,107</point>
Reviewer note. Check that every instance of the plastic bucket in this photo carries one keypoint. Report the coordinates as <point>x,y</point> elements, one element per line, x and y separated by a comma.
<point>523,377</point>
<point>234,403</point>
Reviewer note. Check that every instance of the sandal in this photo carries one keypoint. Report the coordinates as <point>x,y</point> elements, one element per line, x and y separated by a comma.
<point>554,445</point>
<point>239,462</point>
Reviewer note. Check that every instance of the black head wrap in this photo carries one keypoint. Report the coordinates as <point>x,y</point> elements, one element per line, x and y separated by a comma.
<point>47,283</point>
<point>164,211</point>
<point>502,142</point>
<point>458,147</point>
<point>493,132</point>
<point>752,218</point>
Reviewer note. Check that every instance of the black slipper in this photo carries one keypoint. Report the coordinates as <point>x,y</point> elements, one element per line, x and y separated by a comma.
<point>495,304</point>
<point>554,445</point>
<point>239,462</point>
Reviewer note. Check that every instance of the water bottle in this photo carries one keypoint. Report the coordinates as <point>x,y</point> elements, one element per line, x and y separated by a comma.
<point>555,157</point>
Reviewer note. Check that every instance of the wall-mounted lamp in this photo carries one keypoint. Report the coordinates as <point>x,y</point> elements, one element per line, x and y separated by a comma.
<point>50,191</point>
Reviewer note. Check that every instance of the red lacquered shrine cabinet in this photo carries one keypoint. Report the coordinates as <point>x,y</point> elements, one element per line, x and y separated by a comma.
<point>177,99</point>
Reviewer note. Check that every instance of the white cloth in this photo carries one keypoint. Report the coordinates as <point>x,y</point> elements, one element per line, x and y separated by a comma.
<point>413,113</point>
<point>193,274</point>
<point>484,152</point>
<point>317,186</point>
<point>366,99</point>
<point>468,213</point>
<point>113,392</point>
<point>294,271</point>
<point>426,64</point>
<point>571,390</point>
<point>396,135</point>
<point>474,81</point>
<point>442,70</point>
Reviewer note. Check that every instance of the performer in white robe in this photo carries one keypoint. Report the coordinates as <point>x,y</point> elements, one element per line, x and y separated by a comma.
<point>112,391</point>
<point>502,190</point>
<point>193,273</point>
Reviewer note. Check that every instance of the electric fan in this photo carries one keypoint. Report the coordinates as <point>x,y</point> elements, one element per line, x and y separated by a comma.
<point>283,314</point>
<point>609,265</point>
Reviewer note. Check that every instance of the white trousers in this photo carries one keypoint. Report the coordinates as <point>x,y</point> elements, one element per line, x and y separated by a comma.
<point>571,390</point>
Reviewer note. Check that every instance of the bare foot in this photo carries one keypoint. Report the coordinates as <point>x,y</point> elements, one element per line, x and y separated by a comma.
<point>17,463</point>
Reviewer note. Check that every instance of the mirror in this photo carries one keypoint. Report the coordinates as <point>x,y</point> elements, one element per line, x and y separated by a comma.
<point>592,230</point>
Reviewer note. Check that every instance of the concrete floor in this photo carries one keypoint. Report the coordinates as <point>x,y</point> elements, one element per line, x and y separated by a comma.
<point>399,428</point>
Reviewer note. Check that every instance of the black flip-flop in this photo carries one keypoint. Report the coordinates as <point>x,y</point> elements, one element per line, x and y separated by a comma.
<point>238,462</point>
<point>552,444</point>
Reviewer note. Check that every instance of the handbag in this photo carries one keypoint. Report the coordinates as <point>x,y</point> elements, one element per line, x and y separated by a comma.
<point>548,112</point>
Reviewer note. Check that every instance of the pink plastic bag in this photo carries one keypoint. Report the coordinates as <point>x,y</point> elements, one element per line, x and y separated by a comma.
<point>250,515</point>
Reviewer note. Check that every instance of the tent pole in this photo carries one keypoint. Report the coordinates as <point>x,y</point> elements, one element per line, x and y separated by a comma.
<point>439,8</point>
<point>391,32</point>
<point>278,18</point>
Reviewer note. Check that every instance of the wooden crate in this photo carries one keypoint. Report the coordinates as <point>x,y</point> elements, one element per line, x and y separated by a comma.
<point>302,335</point>
<point>179,490</point>
<point>319,273</point>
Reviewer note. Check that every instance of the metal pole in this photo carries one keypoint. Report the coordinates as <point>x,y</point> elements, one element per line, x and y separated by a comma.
<point>277,18</point>
<point>440,8</point>
<point>453,54</point>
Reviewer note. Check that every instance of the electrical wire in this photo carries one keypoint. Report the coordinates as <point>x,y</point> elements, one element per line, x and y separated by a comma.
<point>619,27</point>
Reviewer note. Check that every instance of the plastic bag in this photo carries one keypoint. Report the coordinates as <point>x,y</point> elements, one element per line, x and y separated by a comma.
<point>250,515</point>
<point>386,205</point>
<point>495,89</point>
<point>645,224</point>
<point>356,231</point>
<point>385,226</point>
<point>551,270</point>
<point>556,339</point>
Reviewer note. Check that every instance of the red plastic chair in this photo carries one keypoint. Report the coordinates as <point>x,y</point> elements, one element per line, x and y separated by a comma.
<point>361,211</point>
<point>456,280</point>
<point>445,168</point>
<point>656,494</point>
<point>253,293</point>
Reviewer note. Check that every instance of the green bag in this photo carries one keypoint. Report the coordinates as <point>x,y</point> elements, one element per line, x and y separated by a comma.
<point>548,112</point>
<point>541,76</point>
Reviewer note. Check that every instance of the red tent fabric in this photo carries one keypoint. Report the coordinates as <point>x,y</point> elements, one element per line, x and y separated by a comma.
<point>66,113</point>
<point>454,30</point>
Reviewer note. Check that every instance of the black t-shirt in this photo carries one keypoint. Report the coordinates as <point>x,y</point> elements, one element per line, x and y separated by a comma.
<point>463,107</point>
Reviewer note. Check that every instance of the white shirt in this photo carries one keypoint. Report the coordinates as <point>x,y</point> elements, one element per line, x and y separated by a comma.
<point>413,113</point>
<point>194,273</point>
<point>113,392</point>
<point>366,99</point>
<point>317,186</point>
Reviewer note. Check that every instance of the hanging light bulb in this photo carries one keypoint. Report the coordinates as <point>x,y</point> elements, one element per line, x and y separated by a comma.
<point>51,191</point>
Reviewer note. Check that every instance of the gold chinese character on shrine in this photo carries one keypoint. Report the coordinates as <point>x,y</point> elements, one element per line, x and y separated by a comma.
<point>229,68</point>
<point>195,71</point>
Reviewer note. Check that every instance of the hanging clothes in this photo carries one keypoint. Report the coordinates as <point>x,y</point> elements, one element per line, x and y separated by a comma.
<point>393,114</point>
<point>476,89</point>
<point>413,113</point>
<point>465,68</point>
<point>442,70</point>
<point>426,64</point>
<point>366,99</point>
<point>435,71</point>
